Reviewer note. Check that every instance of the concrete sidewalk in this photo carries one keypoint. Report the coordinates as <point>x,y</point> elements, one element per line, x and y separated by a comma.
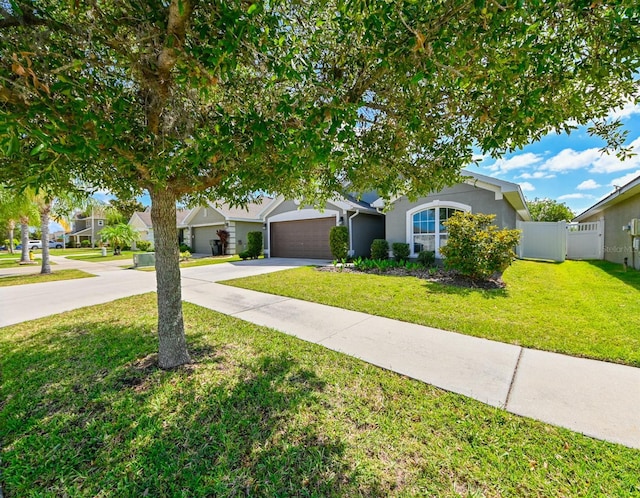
<point>596,398</point>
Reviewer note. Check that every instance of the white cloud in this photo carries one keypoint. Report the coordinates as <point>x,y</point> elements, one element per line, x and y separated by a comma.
<point>569,159</point>
<point>591,159</point>
<point>610,163</point>
<point>516,162</point>
<point>575,196</point>
<point>538,175</point>
<point>625,111</point>
<point>588,185</point>
<point>623,180</point>
<point>527,187</point>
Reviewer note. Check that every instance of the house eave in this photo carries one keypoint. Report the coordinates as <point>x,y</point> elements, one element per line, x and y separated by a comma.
<point>627,191</point>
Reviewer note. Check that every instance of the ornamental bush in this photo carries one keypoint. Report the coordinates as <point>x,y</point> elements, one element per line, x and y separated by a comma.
<point>427,258</point>
<point>254,244</point>
<point>143,245</point>
<point>400,251</point>
<point>380,249</point>
<point>476,248</point>
<point>339,242</point>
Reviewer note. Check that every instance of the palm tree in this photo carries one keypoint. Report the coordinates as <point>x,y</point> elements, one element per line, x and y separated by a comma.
<point>55,206</point>
<point>119,235</point>
<point>17,207</point>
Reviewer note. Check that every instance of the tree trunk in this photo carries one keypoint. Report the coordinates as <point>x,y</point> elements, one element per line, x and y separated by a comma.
<point>12,227</point>
<point>24,240</point>
<point>172,341</point>
<point>44,227</point>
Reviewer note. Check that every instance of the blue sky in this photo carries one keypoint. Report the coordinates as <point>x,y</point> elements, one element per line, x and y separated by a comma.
<point>570,168</point>
<point>566,168</point>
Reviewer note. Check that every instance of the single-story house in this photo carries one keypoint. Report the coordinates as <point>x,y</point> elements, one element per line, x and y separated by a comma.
<point>419,223</point>
<point>621,234</point>
<point>202,224</point>
<point>295,230</point>
<point>141,221</point>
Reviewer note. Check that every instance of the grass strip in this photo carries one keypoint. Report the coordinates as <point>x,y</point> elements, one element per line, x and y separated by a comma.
<point>86,412</point>
<point>36,278</point>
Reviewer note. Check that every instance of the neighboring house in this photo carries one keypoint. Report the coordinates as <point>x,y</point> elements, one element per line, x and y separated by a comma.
<point>141,222</point>
<point>295,231</point>
<point>419,223</point>
<point>202,224</point>
<point>616,211</point>
<point>87,227</point>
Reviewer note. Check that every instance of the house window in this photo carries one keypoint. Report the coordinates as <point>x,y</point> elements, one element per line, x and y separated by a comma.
<point>428,232</point>
<point>100,223</point>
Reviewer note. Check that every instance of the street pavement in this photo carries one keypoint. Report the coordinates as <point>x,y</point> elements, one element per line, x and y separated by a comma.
<point>596,398</point>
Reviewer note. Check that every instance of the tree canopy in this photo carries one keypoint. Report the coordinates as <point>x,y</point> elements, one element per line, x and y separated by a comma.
<point>549,210</point>
<point>222,99</point>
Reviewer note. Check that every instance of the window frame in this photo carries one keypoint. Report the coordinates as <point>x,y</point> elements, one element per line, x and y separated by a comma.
<point>437,204</point>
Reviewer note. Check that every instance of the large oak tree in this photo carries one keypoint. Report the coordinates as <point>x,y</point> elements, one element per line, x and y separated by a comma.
<point>221,99</point>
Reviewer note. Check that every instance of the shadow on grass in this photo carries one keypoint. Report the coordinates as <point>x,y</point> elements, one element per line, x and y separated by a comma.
<point>87,410</point>
<point>629,277</point>
<point>542,261</point>
<point>454,290</point>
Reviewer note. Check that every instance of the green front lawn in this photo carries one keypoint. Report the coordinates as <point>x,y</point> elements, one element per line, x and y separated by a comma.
<point>211,260</point>
<point>36,278</point>
<point>13,261</point>
<point>95,256</point>
<point>85,412</point>
<point>580,308</point>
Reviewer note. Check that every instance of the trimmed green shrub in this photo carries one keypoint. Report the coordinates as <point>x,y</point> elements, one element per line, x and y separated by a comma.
<point>85,243</point>
<point>254,245</point>
<point>143,245</point>
<point>380,249</point>
<point>427,258</point>
<point>339,242</point>
<point>244,255</point>
<point>400,251</point>
<point>184,248</point>
<point>476,248</point>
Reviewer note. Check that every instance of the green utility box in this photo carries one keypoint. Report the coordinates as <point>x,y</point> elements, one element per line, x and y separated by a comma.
<point>144,259</point>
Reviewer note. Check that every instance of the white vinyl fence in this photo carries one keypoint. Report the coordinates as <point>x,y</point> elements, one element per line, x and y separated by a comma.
<point>542,240</point>
<point>585,240</point>
<point>557,241</point>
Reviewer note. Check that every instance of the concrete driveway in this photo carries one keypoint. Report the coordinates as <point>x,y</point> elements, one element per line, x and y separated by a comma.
<point>248,268</point>
<point>27,302</point>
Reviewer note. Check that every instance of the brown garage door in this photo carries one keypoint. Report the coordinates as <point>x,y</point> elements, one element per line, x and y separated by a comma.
<point>302,239</point>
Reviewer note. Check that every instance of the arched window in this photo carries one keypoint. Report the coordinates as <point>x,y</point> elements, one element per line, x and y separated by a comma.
<point>425,225</point>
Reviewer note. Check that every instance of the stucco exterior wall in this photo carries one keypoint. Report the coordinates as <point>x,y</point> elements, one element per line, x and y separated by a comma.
<point>206,216</point>
<point>286,206</point>
<point>617,242</point>
<point>480,200</point>
<point>242,228</point>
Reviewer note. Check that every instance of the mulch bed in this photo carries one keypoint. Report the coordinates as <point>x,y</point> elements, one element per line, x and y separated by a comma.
<point>439,275</point>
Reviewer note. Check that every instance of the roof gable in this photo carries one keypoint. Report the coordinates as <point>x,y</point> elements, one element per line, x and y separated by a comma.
<point>145,216</point>
<point>502,189</point>
<point>253,211</point>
